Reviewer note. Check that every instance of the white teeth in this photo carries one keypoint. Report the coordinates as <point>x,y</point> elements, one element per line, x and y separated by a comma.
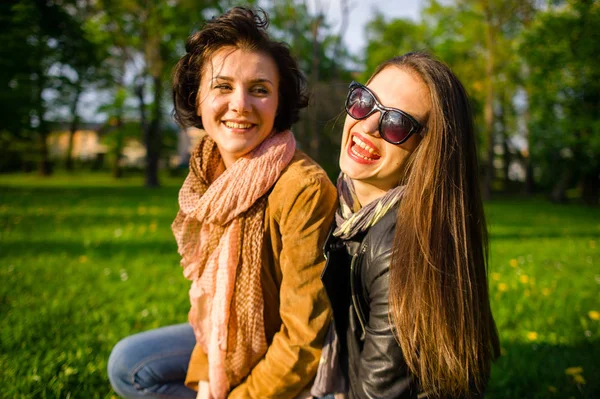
<point>364,145</point>
<point>235,125</point>
<point>362,156</point>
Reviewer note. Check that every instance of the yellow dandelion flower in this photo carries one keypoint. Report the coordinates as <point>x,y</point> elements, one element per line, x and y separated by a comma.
<point>496,276</point>
<point>83,259</point>
<point>579,379</point>
<point>574,370</point>
<point>594,314</point>
<point>513,263</point>
<point>546,291</point>
<point>524,279</point>
<point>153,226</point>
<point>532,336</point>
<point>552,389</point>
<point>502,287</point>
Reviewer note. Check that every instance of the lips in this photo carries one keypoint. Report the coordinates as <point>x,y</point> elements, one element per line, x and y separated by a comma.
<point>362,150</point>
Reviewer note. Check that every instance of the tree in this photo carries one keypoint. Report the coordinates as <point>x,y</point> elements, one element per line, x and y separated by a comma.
<point>86,69</point>
<point>321,57</point>
<point>387,39</point>
<point>39,37</point>
<point>153,33</point>
<point>476,39</point>
<point>15,85</point>
<point>562,50</point>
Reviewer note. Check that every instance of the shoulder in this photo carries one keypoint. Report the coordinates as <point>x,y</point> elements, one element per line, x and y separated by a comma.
<point>303,170</point>
<point>302,177</point>
<point>380,238</point>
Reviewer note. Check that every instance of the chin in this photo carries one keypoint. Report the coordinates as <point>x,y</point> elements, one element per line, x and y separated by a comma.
<point>355,174</point>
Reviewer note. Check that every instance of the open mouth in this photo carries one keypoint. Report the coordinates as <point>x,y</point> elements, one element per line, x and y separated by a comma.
<point>363,150</point>
<point>238,125</point>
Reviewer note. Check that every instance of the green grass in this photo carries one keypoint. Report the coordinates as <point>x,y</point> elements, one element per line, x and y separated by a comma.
<point>85,261</point>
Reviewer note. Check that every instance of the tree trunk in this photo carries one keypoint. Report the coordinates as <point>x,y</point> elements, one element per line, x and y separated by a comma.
<point>558,193</point>
<point>488,110</point>
<point>44,166</point>
<point>529,181</point>
<point>139,91</point>
<point>505,148</point>
<point>314,78</point>
<point>117,171</point>
<point>590,187</point>
<point>73,128</point>
<point>337,51</point>
<point>527,11</point>
<point>153,137</point>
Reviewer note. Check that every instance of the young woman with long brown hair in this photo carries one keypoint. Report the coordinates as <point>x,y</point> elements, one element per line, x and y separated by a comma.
<point>406,259</point>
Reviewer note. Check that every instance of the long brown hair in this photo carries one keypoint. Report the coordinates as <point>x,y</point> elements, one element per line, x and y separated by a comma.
<point>438,280</point>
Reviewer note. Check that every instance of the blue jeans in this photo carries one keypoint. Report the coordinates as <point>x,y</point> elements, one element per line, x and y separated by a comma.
<point>153,364</point>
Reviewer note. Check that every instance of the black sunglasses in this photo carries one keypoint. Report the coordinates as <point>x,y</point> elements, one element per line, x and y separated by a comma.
<point>395,125</point>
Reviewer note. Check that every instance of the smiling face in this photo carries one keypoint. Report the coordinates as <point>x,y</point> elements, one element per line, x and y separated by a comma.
<point>238,100</point>
<point>374,165</point>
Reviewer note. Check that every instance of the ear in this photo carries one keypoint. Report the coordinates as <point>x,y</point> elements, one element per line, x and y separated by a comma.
<point>197,102</point>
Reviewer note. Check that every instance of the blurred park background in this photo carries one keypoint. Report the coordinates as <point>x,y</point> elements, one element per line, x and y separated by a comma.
<point>91,161</point>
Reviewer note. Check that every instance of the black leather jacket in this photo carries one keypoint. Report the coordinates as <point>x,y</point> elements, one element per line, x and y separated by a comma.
<point>356,278</point>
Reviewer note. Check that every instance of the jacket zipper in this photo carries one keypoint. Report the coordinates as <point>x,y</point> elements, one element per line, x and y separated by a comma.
<point>355,301</point>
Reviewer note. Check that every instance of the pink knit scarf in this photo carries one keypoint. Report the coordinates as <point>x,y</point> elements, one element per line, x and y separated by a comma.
<point>219,231</point>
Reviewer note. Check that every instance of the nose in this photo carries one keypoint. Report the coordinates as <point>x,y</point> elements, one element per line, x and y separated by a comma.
<point>371,124</point>
<point>240,102</point>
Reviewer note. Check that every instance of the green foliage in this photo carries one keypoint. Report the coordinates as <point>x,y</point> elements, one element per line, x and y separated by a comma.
<point>86,261</point>
<point>323,60</point>
<point>292,22</point>
<point>530,68</point>
<point>562,49</point>
<point>388,39</point>
<point>15,87</point>
<point>50,53</point>
<point>529,65</point>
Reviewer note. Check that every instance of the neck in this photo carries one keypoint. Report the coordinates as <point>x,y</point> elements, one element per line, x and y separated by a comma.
<point>367,193</point>
<point>227,161</point>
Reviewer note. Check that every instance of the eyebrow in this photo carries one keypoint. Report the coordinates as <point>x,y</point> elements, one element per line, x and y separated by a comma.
<point>230,79</point>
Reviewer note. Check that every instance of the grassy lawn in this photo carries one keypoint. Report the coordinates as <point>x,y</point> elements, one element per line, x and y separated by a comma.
<point>85,261</point>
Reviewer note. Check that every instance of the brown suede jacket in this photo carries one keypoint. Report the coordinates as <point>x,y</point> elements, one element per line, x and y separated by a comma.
<point>299,213</point>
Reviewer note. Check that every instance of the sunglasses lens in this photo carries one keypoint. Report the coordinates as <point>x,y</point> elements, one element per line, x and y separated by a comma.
<point>395,126</point>
<point>359,103</point>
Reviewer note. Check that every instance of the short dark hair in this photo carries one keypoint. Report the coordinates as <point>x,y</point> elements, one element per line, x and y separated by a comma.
<point>243,28</point>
